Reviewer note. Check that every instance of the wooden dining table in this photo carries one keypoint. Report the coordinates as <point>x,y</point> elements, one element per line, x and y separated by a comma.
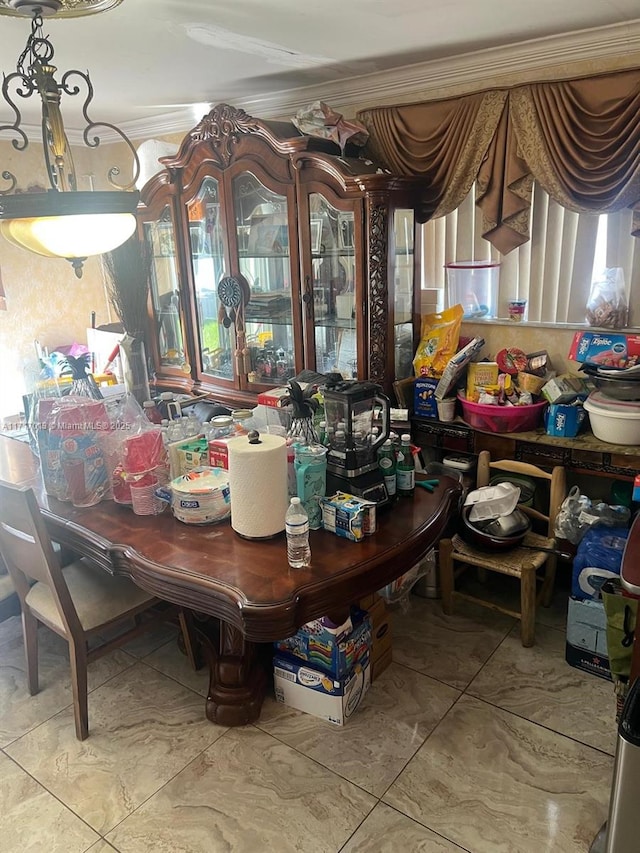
<point>246,586</point>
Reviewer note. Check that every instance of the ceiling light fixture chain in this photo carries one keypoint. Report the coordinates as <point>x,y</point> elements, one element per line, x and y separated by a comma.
<point>61,222</point>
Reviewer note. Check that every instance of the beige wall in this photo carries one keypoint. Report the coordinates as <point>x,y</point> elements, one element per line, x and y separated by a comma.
<point>555,341</point>
<point>44,298</point>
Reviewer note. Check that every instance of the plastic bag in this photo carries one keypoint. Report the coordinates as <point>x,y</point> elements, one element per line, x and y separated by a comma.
<point>578,514</point>
<point>319,119</point>
<point>398,591</point>
<point>607,305</point>
<point>439,341</point>
<point>72,436</point>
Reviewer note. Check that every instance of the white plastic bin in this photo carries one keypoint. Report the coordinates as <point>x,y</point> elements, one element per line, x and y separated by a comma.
<point>474,285</point>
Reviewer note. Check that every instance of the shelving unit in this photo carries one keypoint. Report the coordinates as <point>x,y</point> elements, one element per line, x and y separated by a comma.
<point>315,250</point>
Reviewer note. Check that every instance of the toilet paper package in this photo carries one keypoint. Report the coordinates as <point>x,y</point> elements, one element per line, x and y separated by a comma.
<point>597,560</point>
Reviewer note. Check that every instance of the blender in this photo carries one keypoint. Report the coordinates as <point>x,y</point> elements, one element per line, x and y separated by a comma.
<point>357,416</point>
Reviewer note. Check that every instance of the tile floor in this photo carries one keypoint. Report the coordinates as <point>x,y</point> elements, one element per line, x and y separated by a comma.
<point>468,742</point>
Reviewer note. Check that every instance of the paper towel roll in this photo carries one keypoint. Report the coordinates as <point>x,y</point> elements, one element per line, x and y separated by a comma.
<point>258,484</point>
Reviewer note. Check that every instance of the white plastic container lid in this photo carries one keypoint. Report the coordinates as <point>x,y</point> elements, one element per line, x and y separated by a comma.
<point>489,502</point>
<point>600,404</point>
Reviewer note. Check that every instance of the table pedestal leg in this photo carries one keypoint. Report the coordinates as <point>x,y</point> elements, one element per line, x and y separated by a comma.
<point>238,677</point>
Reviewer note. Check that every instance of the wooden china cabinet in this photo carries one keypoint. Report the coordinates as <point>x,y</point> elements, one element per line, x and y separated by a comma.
<point>273,253</point>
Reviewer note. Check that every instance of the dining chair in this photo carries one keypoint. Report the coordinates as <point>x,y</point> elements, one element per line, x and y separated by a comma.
<point>78,601</point>
<point>455,555</point>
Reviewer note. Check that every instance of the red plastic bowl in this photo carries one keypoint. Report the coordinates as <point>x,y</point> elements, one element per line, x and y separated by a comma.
<point>501,418</point>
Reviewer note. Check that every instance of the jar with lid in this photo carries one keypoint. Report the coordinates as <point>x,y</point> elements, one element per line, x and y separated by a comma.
<point>221,426</point>
<point>242,421</point>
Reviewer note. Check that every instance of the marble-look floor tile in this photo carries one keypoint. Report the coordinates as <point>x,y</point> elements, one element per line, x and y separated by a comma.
<point>538,684</point>
<point>505,591</point>
<point>32,820</point>
<point>492,782</point>
<point>169,660</point>
<point>151,640</point>
<point>449,648</point>
<point>395,717</point>
<point>20,712</point>
<point>101,846</point>
<point>143,729</point>
<point>248,792</point>
<point>387,831</point>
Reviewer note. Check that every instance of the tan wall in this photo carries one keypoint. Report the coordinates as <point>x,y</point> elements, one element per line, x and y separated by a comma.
<point>45,301</point>
<point>555,341</point>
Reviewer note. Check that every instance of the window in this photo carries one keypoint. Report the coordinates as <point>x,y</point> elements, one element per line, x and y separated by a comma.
<point>554,269</point>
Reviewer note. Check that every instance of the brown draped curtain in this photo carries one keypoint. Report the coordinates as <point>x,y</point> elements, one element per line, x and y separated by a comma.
<point>579,139</point>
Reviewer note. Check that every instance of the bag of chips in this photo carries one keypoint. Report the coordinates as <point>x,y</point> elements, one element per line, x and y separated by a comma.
<point>440,335</point>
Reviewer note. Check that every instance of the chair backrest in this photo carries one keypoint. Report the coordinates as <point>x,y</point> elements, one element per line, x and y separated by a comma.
<point>26,549</point>
<point>556,481</point>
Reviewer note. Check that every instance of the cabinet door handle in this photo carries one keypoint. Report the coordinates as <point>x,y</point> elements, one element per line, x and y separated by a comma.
<point>306,296</point>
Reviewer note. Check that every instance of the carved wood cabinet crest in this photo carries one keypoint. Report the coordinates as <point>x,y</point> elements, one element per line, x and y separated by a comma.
<point>321,244</point>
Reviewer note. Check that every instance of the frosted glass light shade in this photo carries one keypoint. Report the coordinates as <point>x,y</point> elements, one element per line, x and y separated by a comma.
<point>68,224</point>
<point>75,236</point>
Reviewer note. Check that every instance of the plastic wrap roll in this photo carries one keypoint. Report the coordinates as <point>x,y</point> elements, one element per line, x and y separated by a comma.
<point>258,484</point>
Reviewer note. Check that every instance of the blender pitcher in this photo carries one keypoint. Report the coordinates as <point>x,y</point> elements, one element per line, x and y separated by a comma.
<point>311,479</point>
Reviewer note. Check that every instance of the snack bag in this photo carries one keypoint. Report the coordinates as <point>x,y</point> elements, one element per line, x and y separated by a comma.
<point>439,341</point>
<point>607,305</point>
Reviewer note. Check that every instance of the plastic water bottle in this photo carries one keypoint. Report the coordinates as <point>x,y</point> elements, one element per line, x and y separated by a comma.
<point>297,529</point>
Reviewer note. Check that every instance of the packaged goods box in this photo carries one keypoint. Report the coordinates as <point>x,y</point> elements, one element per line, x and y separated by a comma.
<point>424,397</point>
<point>330,648</point>
<point>610,349</point>
<point>564,420</point>
<point>314,692</point>
<point>586,646</point>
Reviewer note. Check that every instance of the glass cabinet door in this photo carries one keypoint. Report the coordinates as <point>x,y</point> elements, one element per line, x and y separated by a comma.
<point>262,232</point>
<point>215,321</point>
<point>403,225</point>
<point>165,292</point>
<point>333,263</point>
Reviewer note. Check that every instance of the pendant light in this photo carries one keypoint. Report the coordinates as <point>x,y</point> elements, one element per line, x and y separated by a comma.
<point>61,222</point>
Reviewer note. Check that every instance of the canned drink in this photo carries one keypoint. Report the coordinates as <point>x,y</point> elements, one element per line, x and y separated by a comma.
<point>368,517</point>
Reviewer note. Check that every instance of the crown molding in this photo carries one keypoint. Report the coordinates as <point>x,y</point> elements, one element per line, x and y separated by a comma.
<point>420,81</point>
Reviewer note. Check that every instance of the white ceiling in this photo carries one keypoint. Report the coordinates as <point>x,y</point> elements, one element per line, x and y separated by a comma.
<point>152,60</point>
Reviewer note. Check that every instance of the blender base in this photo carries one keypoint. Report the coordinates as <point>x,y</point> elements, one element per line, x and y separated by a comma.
<point>369,486</point>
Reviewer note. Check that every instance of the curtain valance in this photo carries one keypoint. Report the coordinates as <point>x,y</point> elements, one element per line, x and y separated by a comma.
<point>579,139</point>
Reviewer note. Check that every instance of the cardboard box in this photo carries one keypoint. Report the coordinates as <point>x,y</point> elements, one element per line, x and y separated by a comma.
<point>613,349</point>
<point>314,692</point>
<point>479,375</point>
<point>343,515</point>
<point>424,398</point>
<point>564,388</point>
<point>586,646</point>
<point>381,638</point>
<point>454,369</point>
<point>564,420</point>
<point>379,666</point>
<point>334,650</point>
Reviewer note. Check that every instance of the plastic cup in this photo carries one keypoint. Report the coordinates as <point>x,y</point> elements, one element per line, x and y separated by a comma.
<point>447,409</point>
<point>517,308</point>
<point>74,475</point>
<point>143,497</point>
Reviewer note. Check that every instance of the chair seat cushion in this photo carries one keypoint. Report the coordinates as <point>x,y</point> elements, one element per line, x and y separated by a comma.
<point>98,596</point>
<point>509,562</point>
